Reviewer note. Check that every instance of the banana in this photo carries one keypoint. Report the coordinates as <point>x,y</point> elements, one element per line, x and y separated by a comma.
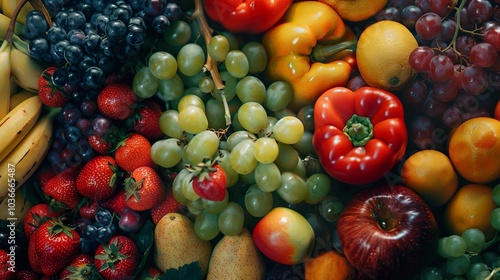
<point>18,204</point>
<point>22,162</point>
<point>26,70</point>
<point>19,97</point>
<point>5,80</point>
<point>8,7</point>
<point>19,28</point>
<point>18,123</point>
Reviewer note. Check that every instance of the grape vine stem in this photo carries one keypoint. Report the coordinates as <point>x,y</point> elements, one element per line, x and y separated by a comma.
<point>210,64</point>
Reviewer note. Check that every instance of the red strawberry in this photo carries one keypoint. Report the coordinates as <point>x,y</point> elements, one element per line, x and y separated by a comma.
<point>50,94</point>
<point>118,259</point>
<point>7,269</point>
<point>61,190</point>
<point>150,273</point>
<point>147,121</point>
<point>27,275</point>
<point>52,247</point>
<point>209,181</point>
<point>36,216</point>
<point>44,173</point>
<point>116,203</point>
<point>99,144</point>
<point>167,205</point>
<point>144,189</point>
<point>97,179</point>
<point>117,101</point>
<point>134,152</point>
<point>79,268</point>
<point>88,210</point>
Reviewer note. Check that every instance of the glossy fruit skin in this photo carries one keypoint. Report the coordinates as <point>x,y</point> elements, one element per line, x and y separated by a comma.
<point>61,189</point>
<point>50,95</point>
<point>146,121</point>
<point>81,266</point>
<point>144,189</point>
<point>168,205</point>
<point>134,152</point>
<point>252,17</point>
<point>284,236</point>
<point>410,231</point>
<point>212,185</point>
<point>346,158</point>
<point>125,258</point>
<point>6,271</point>
<point>117,101</point>
<point>36,216</point>
<point>97,179</point>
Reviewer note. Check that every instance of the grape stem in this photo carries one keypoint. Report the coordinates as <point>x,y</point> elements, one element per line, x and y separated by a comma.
<point>457,29</point>
<point>210,64</point>
<point>492,273</point>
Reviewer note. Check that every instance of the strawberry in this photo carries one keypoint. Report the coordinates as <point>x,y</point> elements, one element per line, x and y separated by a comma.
<point>79,268</point>
<point>27,275</point>
<point>117,101</point>
<point>98,178</point>
<point>50,94</point>
<point>61,191</point>
<point>118,259</point>
<point>99,144</point>
<point>7,269</point>
<point>144,189</point>
<point>116,203</point>
<point>44,173</point>
<point>52,247</point>
<point>134,152</point>
<point>146,121</point>
<point>209,180</point>
<point>167,205</point>
<point>36,216</point>
<point>150,273</point>
<point>88,210</point>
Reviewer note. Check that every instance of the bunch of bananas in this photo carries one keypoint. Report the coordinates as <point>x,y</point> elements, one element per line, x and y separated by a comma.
<point>26,128</point>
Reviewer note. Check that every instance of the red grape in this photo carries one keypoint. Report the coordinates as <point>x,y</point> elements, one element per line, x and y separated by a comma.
<point>464,19</point>
<point>492,36</point>
<point>483,55</point>
<point>452,117</point>
<point>356,82</point>
<point>445,91</point>
<point>424,5</point>
<point>433,108</point>
<point>409,16</point>
<point>464,43</point>
<point>449,26</point>
<point>440,68</point>
<point>389,13</point>
<point>474,79</point>
<point>422,129</point>
<point>429,26</point>
<point>415,93</point>
<point>419,58</point>
<point>479,11</point>
<point>441,7</point>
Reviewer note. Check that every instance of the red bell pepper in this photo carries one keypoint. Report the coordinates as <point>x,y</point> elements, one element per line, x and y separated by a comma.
<point>359,136</point>
<point>251,17</point>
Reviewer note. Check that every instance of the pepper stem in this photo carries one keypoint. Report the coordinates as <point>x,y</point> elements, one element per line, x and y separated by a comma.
<point>328,53</point>
<point>359,130</point>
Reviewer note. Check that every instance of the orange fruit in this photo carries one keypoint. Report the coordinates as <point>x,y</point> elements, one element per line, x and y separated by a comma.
<point>430,174</point>
<point>329,265</point>
<point>470,207</point>
<point>474,149</point>
<point>356,10</point>
<point>382,55</point>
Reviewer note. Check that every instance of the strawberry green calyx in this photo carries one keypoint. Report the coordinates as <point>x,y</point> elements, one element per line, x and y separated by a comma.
<point>111,255</point>
<point>57,227</point>
<point>131,188</point>
<point>203,169</point>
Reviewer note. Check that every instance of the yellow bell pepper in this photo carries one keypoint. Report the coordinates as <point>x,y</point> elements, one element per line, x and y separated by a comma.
<point>308,29</point>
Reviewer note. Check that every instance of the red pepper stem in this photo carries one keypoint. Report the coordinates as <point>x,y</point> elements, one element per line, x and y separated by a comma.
<point>359,130</point>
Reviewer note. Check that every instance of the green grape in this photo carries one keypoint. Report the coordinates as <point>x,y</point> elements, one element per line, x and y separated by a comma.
<point>267,176</point>
<point>474,239</point>
<point>442,251</point>
<point>230,83</point>
<point>145,84</point>
<point>238,136</point>
<point>488,257</point>
<point>237,64</point>
<point>287,158</point>
<point>162,65</point>
<point>167,152</point>
<point>178,33</point>
<point>182,178</point>
<point>252,116</point>
<point>169,124</point>
<point>457,265</point>
<point>300,169</point>
<point>214,110</point>
<point>284,113</point>
<point>206,84</point>
<point>318,188</point>
<point>251,89</point>
<point>249,178</point>
<point>495,194</point>
<point>190,59</point>
<point>218,47</point>
<point>231,176</point>
<point>330,208</point>
<point>266,150</point>
<point>495,263</point>
<point>257,202</point>
<point>190,100</point>
<point>171,89</point>
<point>203,145</point>
<point>206,225</point>
<point>231,219</point>
<point>454,246</point>
<point>257,57</point>
<point>288,130</point>
<point>236,124</point>
<point>241,157</point>
<point>195,207</point>
<point>293,188</point>
<point>475,269</point>
<point>484,275</point>
<point>232,39</point>
<point>304,147</point>
<point>495,218</point>
<point>192,119</point>
<point>306,116</point>
<point>431,273</point>
<point>268,130</point>
<point>215,207</point>
<point>278,95</point>
<point>188,191</point>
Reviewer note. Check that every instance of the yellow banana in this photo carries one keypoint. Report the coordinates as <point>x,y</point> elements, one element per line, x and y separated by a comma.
<point>18,123</point>
<point>4,26</point>
<point>19,97</point>
<point>8,7</point>
<point>22,162</point>
<point>26,70</point>
<point>14,208</point>
<point>5,81</point>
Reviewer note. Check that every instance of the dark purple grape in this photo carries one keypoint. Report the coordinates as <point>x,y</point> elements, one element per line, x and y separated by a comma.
<point>449,26</point>
<point>433,107</point>
<point>72,134</point>
<point>87,246</point>
<point>464,44</point>
<point>82,224</point>
<point>409,16</point>
<point>131,50</point>
<point>84,125</point>
<point>75,37</point>
<point>135,35</point>
<point>452,117</point>
<point>103,217</point>
<point>421,131</point>
<point>87,62</point>
<point>172,11</point>
<point>120,13</point>
<point>445,91</point>
<point>116,30</point>
<point>71,157</point>
<point>53,6</point>
<point>130,220</point>
<point>424,5</point>
<point>88,107</point>
<point>75,20</point>
<point>474,79</point>
<point>104,234</point>
<point>415,93</point>
<point>70,114</point>
<point>73,54</point>
<point>153,8</point>
<point>389,13</point>
<point>91,43</point>
<point>160,24</point>
<point>36,25</point>
<point>85,150</point>
<point>109,47</point>
<point>99,5</point>
<point>137,21</point>
<point>56,34</point>
<point>101,125</point>
<point>38,49</point>
<point>100,23</point>
<point>106,63</point>
<point>94,77</point>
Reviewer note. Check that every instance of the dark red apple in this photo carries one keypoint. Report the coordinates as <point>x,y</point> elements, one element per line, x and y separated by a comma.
<point>387,232</point>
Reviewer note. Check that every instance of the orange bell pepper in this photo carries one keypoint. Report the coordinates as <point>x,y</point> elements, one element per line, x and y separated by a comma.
<point>306,49</point>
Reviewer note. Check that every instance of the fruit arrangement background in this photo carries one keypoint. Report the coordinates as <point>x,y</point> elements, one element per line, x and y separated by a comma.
<point>257,140</point>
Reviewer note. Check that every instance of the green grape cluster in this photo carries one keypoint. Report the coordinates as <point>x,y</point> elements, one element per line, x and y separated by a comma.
<point>261,149</point>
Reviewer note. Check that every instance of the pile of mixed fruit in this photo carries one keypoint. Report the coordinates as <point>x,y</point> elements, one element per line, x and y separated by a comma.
<point>223,139</point>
